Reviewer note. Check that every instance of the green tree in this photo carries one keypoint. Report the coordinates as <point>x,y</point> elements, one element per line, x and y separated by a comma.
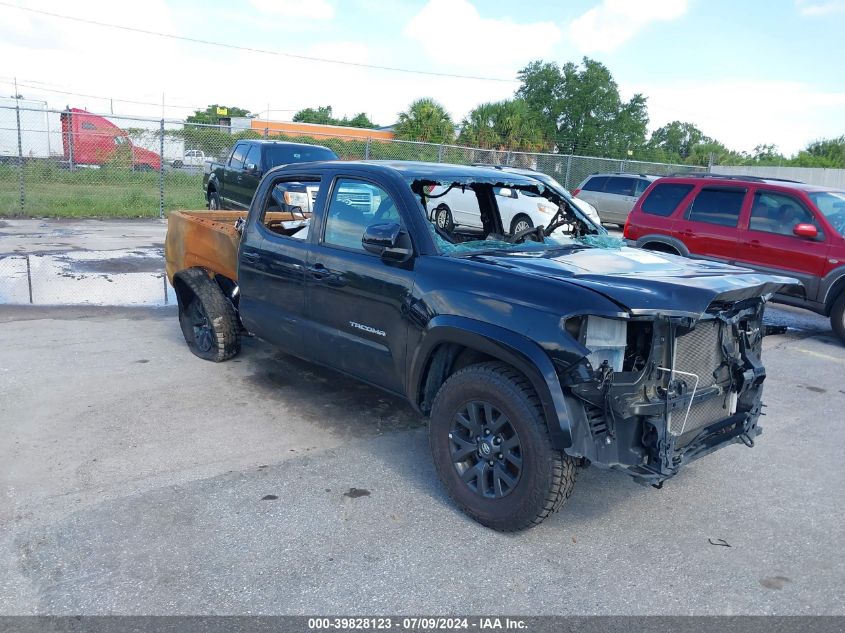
<point>425,120</point>
<point>360,120</point>
<point>508,124</point>
<point>323,115</point>
<point>702,153</point>
<point>581,109</point>
<point>676,139</point>
<point>210,116</point>
<point>828,152</point>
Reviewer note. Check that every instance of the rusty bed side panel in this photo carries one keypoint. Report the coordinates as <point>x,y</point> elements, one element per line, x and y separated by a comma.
<point>205,239</point>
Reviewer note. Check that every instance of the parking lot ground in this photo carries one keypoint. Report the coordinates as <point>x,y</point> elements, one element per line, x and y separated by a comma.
<point>47,235</point>
<point>137,479</point>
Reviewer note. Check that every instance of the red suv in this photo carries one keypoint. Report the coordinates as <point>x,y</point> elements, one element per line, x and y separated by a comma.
<point>774,226</point>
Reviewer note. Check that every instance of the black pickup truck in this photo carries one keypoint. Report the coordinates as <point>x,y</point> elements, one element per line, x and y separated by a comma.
<point>231,185</point>
<point>533,353</point>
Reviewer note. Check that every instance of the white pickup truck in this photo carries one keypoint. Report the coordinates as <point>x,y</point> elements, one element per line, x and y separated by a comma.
<point>192,158</point>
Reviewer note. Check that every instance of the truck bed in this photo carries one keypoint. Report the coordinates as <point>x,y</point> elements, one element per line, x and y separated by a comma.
<point>206,239</point>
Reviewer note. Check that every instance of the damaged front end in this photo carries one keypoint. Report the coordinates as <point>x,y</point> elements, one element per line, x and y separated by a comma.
<point>658,390</point>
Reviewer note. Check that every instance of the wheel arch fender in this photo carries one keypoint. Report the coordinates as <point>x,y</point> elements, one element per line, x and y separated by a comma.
<point>212,186</point>
<point>499,343</point>
<point>832,285</point>
<point>185,282</point>
<point>666,240</point>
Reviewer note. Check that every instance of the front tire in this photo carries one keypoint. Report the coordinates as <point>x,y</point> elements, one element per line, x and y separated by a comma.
<point>492,450</point>
<point>837,316</point>
<point>208,320</point>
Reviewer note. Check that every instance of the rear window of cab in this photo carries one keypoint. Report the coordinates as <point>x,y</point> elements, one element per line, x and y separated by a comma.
<point>665,198</point>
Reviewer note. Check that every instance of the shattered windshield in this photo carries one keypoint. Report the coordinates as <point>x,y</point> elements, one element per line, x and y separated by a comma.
<point>473,216</point>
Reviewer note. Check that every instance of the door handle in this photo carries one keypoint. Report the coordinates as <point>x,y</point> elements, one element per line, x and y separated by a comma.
<point>754,244</point>
<point>319,272</point>
<point>250,258</point>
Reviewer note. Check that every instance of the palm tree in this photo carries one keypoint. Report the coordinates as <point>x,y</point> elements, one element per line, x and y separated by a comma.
<point>503,125</point>
<point>425,120</point>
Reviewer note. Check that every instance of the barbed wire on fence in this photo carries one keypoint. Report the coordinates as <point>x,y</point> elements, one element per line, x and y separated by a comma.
<point>76,163</point>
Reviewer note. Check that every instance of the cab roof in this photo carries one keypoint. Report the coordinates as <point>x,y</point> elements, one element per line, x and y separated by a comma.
<point>419,170</point>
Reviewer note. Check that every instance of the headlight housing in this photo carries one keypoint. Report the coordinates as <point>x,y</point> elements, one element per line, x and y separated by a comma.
<point>606,339</point>
<point>296,199</point>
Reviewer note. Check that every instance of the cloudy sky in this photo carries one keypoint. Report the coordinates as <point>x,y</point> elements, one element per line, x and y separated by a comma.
<point>768,71</point>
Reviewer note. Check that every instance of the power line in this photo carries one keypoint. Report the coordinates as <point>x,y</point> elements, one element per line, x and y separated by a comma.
<point>105,98</point>
<point>90,96</point>
<point>252,49</point>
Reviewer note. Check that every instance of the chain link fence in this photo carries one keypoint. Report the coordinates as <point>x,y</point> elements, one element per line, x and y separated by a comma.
<point>73,163</point>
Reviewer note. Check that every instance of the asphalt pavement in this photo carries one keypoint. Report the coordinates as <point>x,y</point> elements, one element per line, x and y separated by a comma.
<point>138,479</point>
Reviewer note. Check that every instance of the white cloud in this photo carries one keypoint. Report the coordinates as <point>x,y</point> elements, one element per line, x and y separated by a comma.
<point>742,113</point>
<point>306,9</point>
<point>811,8</point>
<point>453,33</point>
<point>608,26</point>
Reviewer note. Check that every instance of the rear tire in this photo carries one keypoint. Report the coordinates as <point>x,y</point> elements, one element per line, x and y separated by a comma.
<point>521,223</point>
<point>492,450</point>
<point>443,217</point>
<point>214,201</point>
<point>208,320</point>
<point>837,316</point>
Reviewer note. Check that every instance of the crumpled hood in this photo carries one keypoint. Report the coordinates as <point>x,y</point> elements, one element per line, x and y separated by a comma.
<point>643,281</point>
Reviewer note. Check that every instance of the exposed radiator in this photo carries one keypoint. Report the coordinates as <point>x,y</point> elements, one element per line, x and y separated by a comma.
<point>699,352</point>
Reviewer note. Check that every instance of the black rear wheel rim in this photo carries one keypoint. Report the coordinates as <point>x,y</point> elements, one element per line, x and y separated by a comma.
<point>201,326</point>
<point>485,450</point>
<point>443,218</point>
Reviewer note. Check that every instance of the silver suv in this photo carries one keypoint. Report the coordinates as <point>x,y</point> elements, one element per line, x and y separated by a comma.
<point>613,194</point>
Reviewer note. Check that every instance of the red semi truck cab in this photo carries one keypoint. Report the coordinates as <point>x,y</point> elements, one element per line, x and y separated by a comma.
<point>89,139</point>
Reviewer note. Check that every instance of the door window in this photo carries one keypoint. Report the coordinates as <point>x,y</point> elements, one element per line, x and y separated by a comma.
<point>715,205</point>
<point>642,185</point>
<point>353,207</point>
<point>286,209</point>
<point>595,184</point>
<point>665,198</point>
<point>237,160</point>
<point>620,186</point>
<point>778,213</point>
<point>253,157</point>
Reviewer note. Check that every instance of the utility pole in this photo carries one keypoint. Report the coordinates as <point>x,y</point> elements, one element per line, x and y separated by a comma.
<point>21,190</point>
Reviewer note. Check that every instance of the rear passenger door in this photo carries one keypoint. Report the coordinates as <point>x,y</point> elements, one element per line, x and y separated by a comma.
<point>769,243</point>
<point>232,195</point>
<point>272,270</point>
<point>618,198</point>
<point>251,174</point>
<point>710,225</point>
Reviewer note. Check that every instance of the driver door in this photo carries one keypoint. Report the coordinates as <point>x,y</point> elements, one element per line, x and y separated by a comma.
<point>769,244</point>
<point>355,299</point>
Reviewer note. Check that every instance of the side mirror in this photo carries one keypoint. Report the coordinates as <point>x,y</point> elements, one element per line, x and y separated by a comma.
<point>252,168</point>
<point>505,192</point>
<point>384,240</point>
<point>806,230</point>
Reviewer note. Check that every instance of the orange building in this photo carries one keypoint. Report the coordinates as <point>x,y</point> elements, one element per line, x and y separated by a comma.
<point>318,130</point>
